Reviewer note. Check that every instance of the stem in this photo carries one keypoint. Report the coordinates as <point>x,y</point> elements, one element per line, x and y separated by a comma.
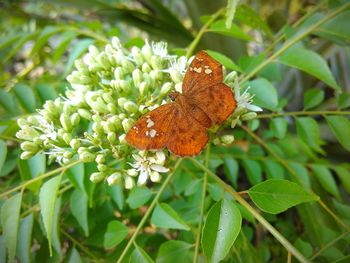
<point>38,178</point>
<point>204,189</point>
<point>77,243</point>
<point>292,172</point>
<point>9,138</point>
<point>148,212</point>
<point>293,41</point>
<point>302,113</point>
<point>257,216</point>
<point>201,32</point>
<point>329,244</point>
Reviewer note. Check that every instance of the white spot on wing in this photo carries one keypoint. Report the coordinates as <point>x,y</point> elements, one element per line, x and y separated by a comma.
<point>150,123</point>
<point>198,70</point>
<point>208,71</point>
<point>152,133</point>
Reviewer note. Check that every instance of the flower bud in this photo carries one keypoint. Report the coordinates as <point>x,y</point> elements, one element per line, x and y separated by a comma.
<point>178,87</point>
<point>65,122</point>
<point>156,62</point>
<point>85,114</point>
<point>93,50</point>
<point>121,101</point>
<point>73,78</point>
<point>239,111</point>
<point>96,118</point>
<point>136,53</point>
<point>97,127</point>
<point>21,122</point>
<point>87,157</point>
<point>146,68</point>
<point>132,172</point>
<point>116,43</point>
<point>81,67</point>
<point>130,107</point>
<point>124,85</point>
<point>116,121</point>
<point>38,141</point>
<point>111,137</point>
<point>167,86</point>
<point>100,158</point>
<point>231,77</point>
<point>122,139</point>
<point>146,52</point>
<point>26,155</point>
<point>29,147</point>
<point>155,177</point>
<point>176,76</point>
<point>143,87</point>
<point>75,119</point>
<point>155,75</point>
<point>102,167</point>
<point>51,107</point>
<point>67,137</point>
<point>97,177</point>
<point>227,139</point>
<point>249,116</point>
<point>114,179</point>
<point>108,97</point>
<point>99,106</point>
<point>119,73</point>
<point>127,124</point>
<point>137,77</point>
<point>33,120</point>
<point>103,60</point>
<point>129,182</point>
<point>216,141</point>
<point>68,155</point>
<point>112,108</point>
<point>85,80</point>
<point>75,144</point>
<point>128,66</point>
<point>234,122</point>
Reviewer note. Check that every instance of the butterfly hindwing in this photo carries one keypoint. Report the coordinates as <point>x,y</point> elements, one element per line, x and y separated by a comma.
<point>217,101</point>
<point>151,131</point>
<point>203,71</point>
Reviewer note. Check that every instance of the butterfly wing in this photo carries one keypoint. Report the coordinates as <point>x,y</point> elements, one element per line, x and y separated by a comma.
<point>188,137</point>
<point>203,71</point>
<point>217,101</point>
<point>151,131</point>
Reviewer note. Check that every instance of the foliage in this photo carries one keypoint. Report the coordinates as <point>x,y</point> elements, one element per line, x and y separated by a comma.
<point>66,170</point>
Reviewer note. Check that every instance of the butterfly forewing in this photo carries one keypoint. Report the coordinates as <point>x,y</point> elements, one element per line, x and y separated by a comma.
<point>151,131</point>
<point>203,71</point>
<point>217,101</point>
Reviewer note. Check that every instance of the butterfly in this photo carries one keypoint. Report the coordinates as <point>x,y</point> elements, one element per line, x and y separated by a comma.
<point>182,125</point>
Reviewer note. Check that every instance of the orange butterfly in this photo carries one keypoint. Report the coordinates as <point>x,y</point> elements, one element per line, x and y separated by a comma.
<point>182,125</point>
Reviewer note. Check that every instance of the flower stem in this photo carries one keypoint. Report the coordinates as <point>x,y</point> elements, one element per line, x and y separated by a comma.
<point>257,216</point>
<point>293,41</point>
<point>301,113</point>
<point>38,178</point>
<point>148,212</point>
<point>201,32</point>
<point>204,189</point>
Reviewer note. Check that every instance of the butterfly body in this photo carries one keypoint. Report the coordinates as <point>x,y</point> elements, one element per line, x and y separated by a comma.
<point>182,124</point>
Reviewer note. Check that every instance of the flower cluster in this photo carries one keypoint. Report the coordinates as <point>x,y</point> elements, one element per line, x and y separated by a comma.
<point>110,90</point>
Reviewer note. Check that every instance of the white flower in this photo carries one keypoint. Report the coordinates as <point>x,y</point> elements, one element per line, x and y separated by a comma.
<point>244,100</point>
<point>48,129</point>
<point>179,65</point>
<point>148,165</point>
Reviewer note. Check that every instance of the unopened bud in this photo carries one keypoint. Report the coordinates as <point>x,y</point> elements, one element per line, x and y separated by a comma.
<point>85,114</point>
<point>167,86</point>
<point>129,182</point>
<point>102,167</point>
<point>146,52</point>
<point>176,76</point>
<point>111,137</point>
<point>116,43</point>
<point>136,53</point>
<point>29,147</point>
<point>132,172</point>
<point>130,107</point>
<point>97,177</point>
<point>75,144</point>
<point>249,116</point>
<point>119,73</point>
<point>143,87</point>
<point>146,68</point>
<point>87,157</point>
<point>137,77</point>
<point>122,139</point>
<point>93,50</point>
<point>127,65</point>
<point>114,179</point>
<point>67,137</point>
<point>122,101</point>
<point>156,62</point>
<point>65,122</point>
<point>75,119</point>
<point>22,122</point>
<point>100,158</point>
<point>127,124</point>
<point>124,85</point>
<point>26,155</point>
<point>227,139</point>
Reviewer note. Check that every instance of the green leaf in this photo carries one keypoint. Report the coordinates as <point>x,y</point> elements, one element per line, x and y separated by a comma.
<point>343,100</point>
<point>302,173</point>
<point>313,98</point>
<point>10,212</point>
<point>74,256</point>
<point>76,176</point>
<point>304,247</point>
<point>344,176</point>
<point>3,153</point>
<point>47,200</point>
<point>116,232</point>
<point>2,249</point>
<point>166,217</point>
<point>46,91</point>
<point>175,251</point>
<point>230,12</point>
<point>66,39</point>
<point>273,170</point>
<point>231,169</point>
<point>265,93</point>
<point>224,60</point>
<point>326,179</point>
<point>25,97</point>
<point>116,192</point>
<point>140,256</point>
<point>25,238</point>
<point>234,31</point>
<point>79,208</point>
<point>253,171</point>
<point>138,197</point>
<point>55,228</point>
<point>79,48</point>
<point>275,195</point>
<point>32,168</point>
<point>308,131</point>
<point>279,127</point>
<point>44,36</point>
<point>221,229</point>
<point>340,127</point>
<point>249,63</point>
<point>19,44</point>
<point>309,62</point>
<point>8,102</point>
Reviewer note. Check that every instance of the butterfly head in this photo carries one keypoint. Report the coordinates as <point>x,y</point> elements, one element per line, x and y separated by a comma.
<point>173,95</point>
